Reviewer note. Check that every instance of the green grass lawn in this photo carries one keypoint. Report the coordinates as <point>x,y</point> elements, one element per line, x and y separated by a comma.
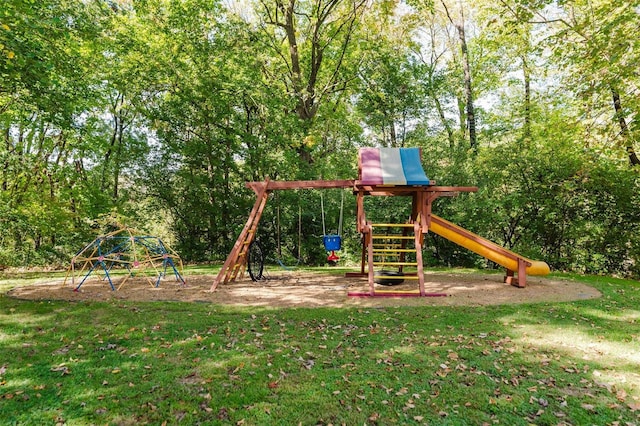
<point>125,363</point>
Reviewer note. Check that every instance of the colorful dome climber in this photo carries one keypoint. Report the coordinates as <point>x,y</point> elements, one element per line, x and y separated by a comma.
<point>123,254</point>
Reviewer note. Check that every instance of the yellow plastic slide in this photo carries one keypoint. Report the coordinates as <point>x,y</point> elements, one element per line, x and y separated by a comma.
<point>484,247</point>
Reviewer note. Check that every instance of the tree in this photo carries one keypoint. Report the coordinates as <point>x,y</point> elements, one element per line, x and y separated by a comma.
<point>591,40</point>
<point>310,42</point>
<point>470,116</point>
<point>47,84</point>
<point>391,94</point>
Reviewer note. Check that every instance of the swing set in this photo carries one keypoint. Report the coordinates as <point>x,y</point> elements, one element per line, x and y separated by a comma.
<point>384,172</point>
<point>332,243</point>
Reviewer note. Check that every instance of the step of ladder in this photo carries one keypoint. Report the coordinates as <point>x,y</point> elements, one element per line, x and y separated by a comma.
<point>400,277</point>
<point>383,263</point>
<point>237,270</point>
<point>392,237</point>
<point>392,225</point>
<point>391,251</point>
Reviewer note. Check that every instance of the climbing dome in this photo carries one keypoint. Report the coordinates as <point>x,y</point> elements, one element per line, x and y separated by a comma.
<point>122,254</point>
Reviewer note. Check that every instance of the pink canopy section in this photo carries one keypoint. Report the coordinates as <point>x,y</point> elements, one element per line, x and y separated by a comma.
<point>392,166</point>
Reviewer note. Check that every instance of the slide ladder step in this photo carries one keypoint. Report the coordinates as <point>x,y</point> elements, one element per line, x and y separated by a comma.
<point>393,251</point>
<point>392,225</point>
<point>392,237</point>
<point>383,263</point>
<point>401,277</point>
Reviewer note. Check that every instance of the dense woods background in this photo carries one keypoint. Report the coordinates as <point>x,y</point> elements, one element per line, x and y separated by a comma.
<point>154,113</point>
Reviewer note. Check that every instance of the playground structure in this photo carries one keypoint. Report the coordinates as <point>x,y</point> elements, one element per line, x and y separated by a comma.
<point>388,172</point>
<point>124,250</point>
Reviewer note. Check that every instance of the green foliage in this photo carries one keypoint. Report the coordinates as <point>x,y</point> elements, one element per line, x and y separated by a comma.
<point>159,111</point>
<point>124,362</point>
<point>391,97</point>
<point>553,201</point>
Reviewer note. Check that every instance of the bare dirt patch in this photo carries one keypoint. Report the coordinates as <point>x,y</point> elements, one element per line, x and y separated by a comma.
<point>306,289</point>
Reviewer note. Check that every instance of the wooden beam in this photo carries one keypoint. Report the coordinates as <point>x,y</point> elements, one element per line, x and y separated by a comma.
<point>275,185</point>
<point>390,191</point>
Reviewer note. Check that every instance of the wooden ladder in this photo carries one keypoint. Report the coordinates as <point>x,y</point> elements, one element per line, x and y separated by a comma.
<point>390,249</point>
<point>236,261</point>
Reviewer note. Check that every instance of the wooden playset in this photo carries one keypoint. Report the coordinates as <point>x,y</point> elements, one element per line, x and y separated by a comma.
<point>390,251</point>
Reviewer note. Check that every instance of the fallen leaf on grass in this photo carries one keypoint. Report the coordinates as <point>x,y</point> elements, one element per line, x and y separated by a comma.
<point>206,408</point>
<point>634,406</point>
<point>402,391</point>
<point>63,369</point>
<point>62,351</point>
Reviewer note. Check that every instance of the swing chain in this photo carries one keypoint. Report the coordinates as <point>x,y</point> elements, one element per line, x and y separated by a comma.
<point>324,229</point>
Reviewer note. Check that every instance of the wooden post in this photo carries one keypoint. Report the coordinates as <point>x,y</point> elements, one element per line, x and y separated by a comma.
<point>521,279</point>
<point>417,229</point>
<point>369,232</point>
<point>522,273</point>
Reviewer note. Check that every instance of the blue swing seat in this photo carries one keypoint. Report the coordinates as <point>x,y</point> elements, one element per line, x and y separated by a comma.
<point>332,242</point>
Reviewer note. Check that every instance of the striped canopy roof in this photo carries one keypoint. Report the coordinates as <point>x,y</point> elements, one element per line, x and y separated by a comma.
<point>392,166</point>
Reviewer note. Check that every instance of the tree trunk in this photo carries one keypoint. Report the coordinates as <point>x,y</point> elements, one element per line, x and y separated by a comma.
<point>114,140</point>
<point>526,129</point>
<point>393,137</point>
<point>118,161</point>
<point>624,129</point>
<point>468,88</point>
<point>443,118</point>
<point>5,167</point>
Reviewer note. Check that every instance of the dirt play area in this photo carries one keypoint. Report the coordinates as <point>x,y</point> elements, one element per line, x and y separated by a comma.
<point>307,289</point>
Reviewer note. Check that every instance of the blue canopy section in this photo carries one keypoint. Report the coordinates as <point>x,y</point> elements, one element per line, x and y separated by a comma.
<point>412,166</point>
